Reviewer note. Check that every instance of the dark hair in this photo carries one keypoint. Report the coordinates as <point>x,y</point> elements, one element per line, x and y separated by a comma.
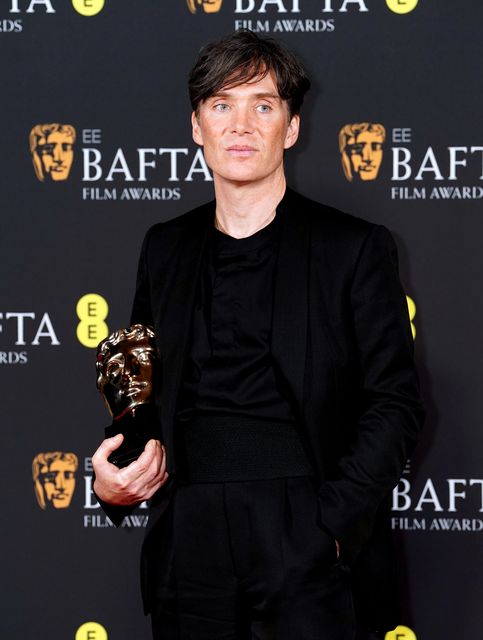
<point>241,57</point>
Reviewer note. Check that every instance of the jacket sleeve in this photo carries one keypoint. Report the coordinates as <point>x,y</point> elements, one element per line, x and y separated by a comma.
<point>115,513</point>
<point>391,409</point>
<point>141,313</point>
<point>141,309</point>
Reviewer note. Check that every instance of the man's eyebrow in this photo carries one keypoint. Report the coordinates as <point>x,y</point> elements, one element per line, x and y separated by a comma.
<point>263,94</point>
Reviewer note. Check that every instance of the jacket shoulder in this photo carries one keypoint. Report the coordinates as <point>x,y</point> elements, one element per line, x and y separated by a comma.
<point>325,219</point>
<point>191,219</point>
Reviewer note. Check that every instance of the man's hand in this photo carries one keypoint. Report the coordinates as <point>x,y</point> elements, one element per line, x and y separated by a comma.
<point>134,483</point>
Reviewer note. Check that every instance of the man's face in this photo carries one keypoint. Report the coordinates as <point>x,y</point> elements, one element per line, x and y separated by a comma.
<point>56,154</point>
<point>58,482</point>
<point>244,131</point>
<point>128,376</point>
<point>365,154</point>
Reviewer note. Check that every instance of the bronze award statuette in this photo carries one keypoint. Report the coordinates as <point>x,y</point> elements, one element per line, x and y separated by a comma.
<point>125,377</point>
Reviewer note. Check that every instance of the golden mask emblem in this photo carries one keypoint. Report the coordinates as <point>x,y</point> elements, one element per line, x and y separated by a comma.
<point>52,149</point>
<point>53,474</point>
<point>208,6</point>
<point>361,150</point>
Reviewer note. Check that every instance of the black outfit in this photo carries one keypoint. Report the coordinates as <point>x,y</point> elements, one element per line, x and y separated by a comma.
<point>243,560</point>
<point>341,345</point>
<point>234,421</point>
<point>230,370</point>
<point>242,552</point>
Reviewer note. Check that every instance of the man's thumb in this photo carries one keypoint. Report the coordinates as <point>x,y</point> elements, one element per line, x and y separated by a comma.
<point>110,444</point>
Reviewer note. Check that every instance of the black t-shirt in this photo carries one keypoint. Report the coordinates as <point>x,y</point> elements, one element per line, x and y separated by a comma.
<point>230,370</point>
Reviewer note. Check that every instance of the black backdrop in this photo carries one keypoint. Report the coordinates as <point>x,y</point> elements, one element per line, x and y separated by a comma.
<point>119,78</point>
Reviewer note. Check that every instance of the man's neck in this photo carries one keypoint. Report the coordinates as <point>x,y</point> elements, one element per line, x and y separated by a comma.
<point>241,210</point>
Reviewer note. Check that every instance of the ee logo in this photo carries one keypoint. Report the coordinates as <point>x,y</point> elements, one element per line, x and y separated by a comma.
<point>402,6</point>
<point>400,633</point>
<point>92,310</point>
<point>412,313</point>
<point>88,7</point>
<point>91,631</point>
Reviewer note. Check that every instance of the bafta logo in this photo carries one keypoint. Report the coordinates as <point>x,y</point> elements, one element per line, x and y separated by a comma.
<point>208,6</point>
<point>361,150</point>
<point>52,149</point>
<point>53,474</point>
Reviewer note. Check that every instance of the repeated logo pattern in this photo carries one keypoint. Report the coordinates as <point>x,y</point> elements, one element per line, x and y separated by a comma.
<point>53,474</point>
<point>52,149</point>
<point>360,146</point>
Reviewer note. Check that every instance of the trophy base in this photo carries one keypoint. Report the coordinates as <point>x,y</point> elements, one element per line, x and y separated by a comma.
<point>137,428</point>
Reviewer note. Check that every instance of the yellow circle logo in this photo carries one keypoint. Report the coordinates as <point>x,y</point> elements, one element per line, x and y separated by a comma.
<point>400,633</point>
<point>402,6</point>
<point>92,310</point>
<point>412,314</point>
<point>88,7</point>
<point>91,631</point>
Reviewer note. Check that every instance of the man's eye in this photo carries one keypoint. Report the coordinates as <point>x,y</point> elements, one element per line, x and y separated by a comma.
<point>264,108</point>
<point>221,107</point>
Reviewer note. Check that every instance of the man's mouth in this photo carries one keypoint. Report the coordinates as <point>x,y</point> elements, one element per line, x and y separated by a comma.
<point>241,150</point>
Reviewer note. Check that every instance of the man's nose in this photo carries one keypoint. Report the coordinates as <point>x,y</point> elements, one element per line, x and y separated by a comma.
<point>60,482</point>
<point>242,121</point>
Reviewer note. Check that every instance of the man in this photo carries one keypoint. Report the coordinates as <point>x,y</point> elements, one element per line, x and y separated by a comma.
<point>288,399</point>
<point>52,149</point>
<point>54,478</point>
<point>361,150</point>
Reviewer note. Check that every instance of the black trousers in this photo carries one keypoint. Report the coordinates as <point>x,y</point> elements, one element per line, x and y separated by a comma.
<point>247,561</point>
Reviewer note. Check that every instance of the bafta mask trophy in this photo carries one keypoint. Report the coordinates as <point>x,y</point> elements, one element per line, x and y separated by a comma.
<point>125,377</point>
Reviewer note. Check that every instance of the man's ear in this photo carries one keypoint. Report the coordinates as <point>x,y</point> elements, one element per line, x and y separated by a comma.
<point>292,132</point>
<point>196,129</point>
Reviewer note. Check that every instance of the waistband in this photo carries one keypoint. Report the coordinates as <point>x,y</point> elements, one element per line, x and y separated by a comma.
<point>230,448</point>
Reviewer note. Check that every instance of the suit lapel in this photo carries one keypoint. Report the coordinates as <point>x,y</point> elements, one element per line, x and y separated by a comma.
<point>289,325</point>
<point>175,325</point>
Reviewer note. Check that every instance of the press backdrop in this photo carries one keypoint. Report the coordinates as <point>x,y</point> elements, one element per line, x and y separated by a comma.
<point>74,212</point>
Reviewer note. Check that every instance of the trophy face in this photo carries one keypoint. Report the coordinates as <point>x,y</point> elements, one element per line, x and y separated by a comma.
<point>127,377</point>
<point>126,366</point>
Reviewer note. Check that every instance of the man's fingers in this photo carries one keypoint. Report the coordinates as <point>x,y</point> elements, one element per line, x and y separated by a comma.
<point>134,483</point>
<point>106,447</point>
<point>147,456</point>
<point>162,467</point>
<point>138,468</point>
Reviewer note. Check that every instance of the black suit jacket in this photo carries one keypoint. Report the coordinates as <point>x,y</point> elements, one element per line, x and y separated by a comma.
<point>341,339</point>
